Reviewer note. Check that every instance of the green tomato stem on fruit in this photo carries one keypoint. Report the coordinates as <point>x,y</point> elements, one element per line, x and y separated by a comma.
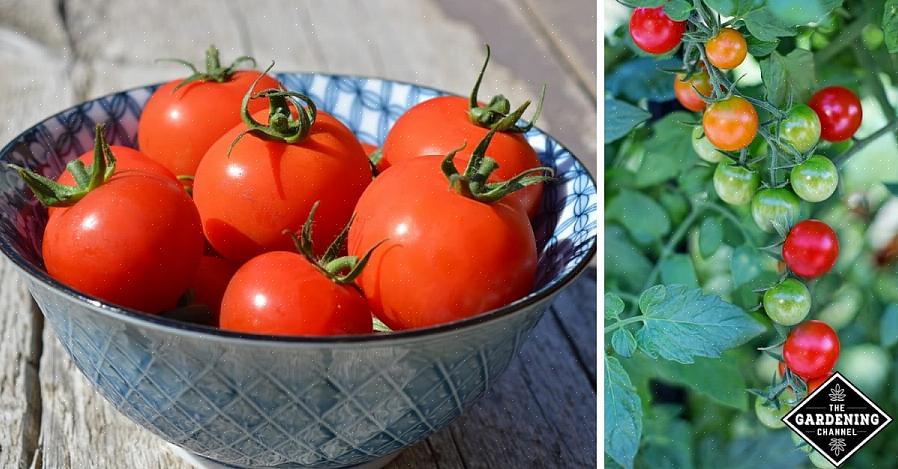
<point>497,114</point>
<point>214,71</point>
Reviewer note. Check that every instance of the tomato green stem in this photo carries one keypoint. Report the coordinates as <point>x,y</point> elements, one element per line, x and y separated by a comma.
<point>214,71</point>
<point>497,113</point>
<point>625,322</point>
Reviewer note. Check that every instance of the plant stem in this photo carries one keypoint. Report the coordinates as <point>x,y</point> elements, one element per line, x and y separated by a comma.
<point>623,322</point>
<point>633,299</point>
<point>890,127</point>
<point>732,219</point>
<point>869,64</point>
<point>675,239</point>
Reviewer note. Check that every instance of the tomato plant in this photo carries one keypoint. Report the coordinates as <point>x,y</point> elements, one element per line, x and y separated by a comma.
<point>755,215</point>
<point>184,117</point>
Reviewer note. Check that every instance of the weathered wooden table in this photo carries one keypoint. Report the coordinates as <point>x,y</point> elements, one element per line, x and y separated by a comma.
<point>54,53</point>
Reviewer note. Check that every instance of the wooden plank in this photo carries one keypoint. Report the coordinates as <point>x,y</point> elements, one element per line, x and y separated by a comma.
<point>575,313</point>
<point>24,99</point>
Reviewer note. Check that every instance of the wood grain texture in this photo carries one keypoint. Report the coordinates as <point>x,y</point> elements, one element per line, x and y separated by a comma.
<point>540,414</point>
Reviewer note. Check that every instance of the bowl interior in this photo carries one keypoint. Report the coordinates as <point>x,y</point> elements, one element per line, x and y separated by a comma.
<point>565,227</point>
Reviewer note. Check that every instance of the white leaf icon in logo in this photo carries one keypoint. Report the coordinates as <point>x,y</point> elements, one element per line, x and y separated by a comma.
<point>837,394</point>
<point>837,445</point>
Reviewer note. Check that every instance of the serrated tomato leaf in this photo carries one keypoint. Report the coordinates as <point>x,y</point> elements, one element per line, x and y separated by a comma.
<point>623,343</point>
<point>679,269</point>
<point>640,214</point>
<point>621,118</point>
<point>668,152</point>
<point>614,305</point>
<point>766,27</point>
<point>717,378</point>
<point>623,414</point>
<point>789,78</point>
<point>678,10</point>
<point>734,7</point>
<point>682,323</point>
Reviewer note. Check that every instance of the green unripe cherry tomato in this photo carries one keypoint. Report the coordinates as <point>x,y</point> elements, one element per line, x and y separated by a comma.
<point>800,128</point>
<point>866,366</point>
<point>704,148</point>
<point>775,205</point>
<point>819,461</point>
<point>815,180</point>
<point>800,444</point>
<point>787,303</point>
<point>843,307</point>
<point>735,184</point>
<point>770,416</point>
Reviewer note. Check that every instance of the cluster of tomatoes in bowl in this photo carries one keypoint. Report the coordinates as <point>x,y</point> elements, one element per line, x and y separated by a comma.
<point>729,138</point>
<point>247,203</point>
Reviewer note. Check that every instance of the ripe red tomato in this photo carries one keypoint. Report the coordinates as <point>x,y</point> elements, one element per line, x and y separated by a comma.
<point>439,125</point>
<point>731,124</point>
<point>210,281</point>
<point>447,256</point>
<point>176,127</point>
<point>727,50</point>
<point>654,32</point>
<point>811,249</point>
<point>815,383</point>
<point>839,111</point>
<point>265,186</point>
<point>685,90</point>
<point>282,293</point>
<point>134,241</point>
<point>811,349</point>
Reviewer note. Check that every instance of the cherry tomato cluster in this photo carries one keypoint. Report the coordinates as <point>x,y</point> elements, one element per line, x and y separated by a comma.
<point>245,199</point>
<point>729,134</point>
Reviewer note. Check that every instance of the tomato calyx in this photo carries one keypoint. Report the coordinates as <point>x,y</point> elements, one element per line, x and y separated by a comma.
<point>340,269</point>
<point>497,114</point>
<point>282,126</point>
<point>473,182</point>
<point>87,178</point>
<point>214,71</point>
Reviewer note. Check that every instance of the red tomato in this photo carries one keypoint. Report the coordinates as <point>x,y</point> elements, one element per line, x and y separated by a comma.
<point>439,125</point>
<point>134,241</point>
<point>210,281</point>
<point>815,383</point>
<point>247,199</point>
<point>731,124</point>
<point>654,32</point>
<point>839,111</point>
<point>727,49</point>
<point>811,349</point>
<point>447,257</point>
<point>369,148</point>
<point>282,293</point>
<point>176,127</point>
<point>811,249</point>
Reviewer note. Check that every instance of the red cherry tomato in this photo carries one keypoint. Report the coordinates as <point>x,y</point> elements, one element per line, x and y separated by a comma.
<point>839,111</point>
<point>727,50</point>
<point>134,241</point>
<point>731,124</point>
<point>815,383</point>
<point>654,32</point>
<point>811,249</point>
<point>247,199</point>
<point>447,257</point>
<point>439,125</point>
<point>811,349</point>
<point>210,281</point>
<point>176,128</point>
<point>282,293</point>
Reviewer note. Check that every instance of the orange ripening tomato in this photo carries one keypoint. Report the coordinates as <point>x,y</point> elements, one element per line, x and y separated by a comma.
<point>182,120</point>
<point>730,124</point>
<point>727,50</point>
<point>685,90</point>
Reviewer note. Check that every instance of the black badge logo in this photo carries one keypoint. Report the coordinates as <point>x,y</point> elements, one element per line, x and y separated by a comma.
<point>837,419</point>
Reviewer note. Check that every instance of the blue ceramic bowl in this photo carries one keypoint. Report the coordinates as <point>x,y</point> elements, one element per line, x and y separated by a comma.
<point>260,401</point>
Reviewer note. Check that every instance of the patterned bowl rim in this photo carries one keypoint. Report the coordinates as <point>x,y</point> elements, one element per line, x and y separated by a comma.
<point>180,327</point>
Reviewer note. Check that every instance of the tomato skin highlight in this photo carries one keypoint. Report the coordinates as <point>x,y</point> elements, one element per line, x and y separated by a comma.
<point>731,124</point>
<point>447,257</point>
<point>840,112</point>
<point>247,199</point>
<point>811,249</point>
<point>687,96</point>
<point>177,128</point>
<point>439,125</point>
<point>282,293</point>
<point>727,50</point>
<point>654,32</point>
<point>815,180</point>
<point>134,241</point>
<point>210,282</point>
<point>811,349</point>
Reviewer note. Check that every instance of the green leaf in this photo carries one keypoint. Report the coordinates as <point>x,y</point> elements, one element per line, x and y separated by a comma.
<point>710,236</point>
<point>892,186</point>
<point>759,48</point>
<point>681,324</point>
<point>678,10</point>
<point>733,7</point>
<point>890,25</point>
<point>717,378</point>
<point>789,78</point>
<point>766,27</point>
<point>802,12</point>
<point>623,261</point>
<point>640,214</point>
<point>746,265</point>
<point>888,327</point>
<point>623,342</point>
<point>623,414</point>
<point>621,118</point>
<point>643,3</point>
<point>695,179</point>
<point>678,269</point>
<point>668,152</point>
<point>768,449</point>
<point>614,305</point>
<point>667,440</point>
<point>642,78</point>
